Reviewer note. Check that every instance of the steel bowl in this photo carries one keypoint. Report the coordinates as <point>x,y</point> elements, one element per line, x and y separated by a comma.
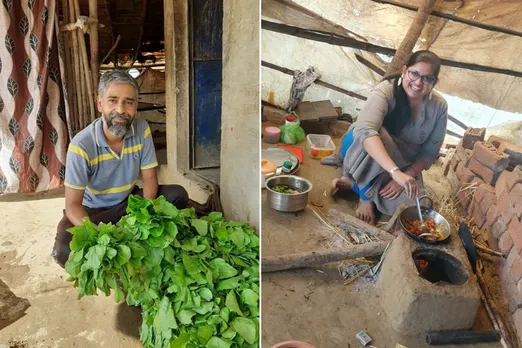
<point>428,213</point>
<point>287,202</point>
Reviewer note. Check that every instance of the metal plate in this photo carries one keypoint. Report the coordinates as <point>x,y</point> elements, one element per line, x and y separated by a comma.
<point>278,156</point>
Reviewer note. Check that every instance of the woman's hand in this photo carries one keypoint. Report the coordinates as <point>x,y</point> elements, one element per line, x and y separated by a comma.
<point>391,190</point>
<point>409,183</point>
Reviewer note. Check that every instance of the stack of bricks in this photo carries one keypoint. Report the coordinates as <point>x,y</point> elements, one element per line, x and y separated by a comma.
<point>487,177</point>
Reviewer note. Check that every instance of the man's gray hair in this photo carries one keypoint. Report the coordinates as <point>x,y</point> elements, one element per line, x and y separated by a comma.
<point>116,76</point>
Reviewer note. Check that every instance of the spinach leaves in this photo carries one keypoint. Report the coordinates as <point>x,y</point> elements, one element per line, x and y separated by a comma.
<point>196,279</point>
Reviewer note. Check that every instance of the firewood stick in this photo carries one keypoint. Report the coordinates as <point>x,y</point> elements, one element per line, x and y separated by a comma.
<point>76,66</point>
<point>88,77</point>
<point>488,250</point>
<point>351,223</point>
<point>393,220</point>
<point>506,335</point>
<point>306,259</point>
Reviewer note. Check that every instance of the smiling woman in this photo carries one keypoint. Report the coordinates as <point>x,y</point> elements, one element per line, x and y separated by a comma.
<point>398,135</point>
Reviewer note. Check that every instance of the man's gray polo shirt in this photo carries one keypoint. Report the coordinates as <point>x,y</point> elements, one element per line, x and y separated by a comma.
<point>107,178</point>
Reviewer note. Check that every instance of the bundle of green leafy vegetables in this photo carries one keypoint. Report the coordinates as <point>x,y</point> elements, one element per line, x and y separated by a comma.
<point>196,279</point>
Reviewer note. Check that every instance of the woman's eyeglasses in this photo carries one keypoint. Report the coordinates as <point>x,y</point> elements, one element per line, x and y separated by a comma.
<point>425,79</point>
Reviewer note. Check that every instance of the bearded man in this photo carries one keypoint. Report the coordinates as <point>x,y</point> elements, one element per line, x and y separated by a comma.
<point>104,162</point>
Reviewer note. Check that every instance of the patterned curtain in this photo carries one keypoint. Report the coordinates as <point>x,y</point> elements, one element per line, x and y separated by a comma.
<point>33,108</point>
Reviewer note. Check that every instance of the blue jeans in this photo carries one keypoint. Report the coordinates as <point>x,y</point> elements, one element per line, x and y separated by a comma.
<point>345,145</point>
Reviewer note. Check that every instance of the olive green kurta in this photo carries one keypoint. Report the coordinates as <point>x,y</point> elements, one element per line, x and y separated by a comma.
<point>419,141</point>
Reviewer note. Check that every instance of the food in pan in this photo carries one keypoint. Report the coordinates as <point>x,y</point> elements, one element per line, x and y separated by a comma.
<point>414,227</point>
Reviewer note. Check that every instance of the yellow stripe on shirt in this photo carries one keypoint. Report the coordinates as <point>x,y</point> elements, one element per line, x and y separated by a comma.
<point>113,189</point>
<point>79,151</point>
<point>102,158</point>
<point>147,133</point>
<point>132,149</point>
<point>149,166</point>
<point>76,187</point>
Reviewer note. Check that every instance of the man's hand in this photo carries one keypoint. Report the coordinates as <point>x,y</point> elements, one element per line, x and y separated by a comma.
<point>150,183</point>
<point>73,206</point>
<point>391,190</point>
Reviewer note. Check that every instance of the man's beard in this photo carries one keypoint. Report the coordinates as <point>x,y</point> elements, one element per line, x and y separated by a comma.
<point>116,128</point>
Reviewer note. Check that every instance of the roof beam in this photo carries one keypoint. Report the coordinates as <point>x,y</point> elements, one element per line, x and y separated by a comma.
<point>339,40</point>
<point>453,18</point>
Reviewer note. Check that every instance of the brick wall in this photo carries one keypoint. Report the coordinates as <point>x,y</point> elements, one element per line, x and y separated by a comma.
<point>486,175</point>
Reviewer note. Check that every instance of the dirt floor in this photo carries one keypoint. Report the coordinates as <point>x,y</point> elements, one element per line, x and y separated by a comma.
<point>313,305</point>
<point>54,318</point>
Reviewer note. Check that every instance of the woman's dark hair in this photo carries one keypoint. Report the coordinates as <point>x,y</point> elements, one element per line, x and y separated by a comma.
<point>395,120</point>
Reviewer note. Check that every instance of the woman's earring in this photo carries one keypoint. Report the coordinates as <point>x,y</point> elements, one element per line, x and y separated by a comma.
<point>400,81</point>
<point>431,94</point>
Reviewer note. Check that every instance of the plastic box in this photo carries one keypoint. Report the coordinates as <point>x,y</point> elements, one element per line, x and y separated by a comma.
<point>319,145</point>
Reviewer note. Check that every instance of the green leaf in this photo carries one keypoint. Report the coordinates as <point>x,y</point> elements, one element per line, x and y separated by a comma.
<point>249,297</point>
<point>185,316</point>
<point>229,333</point>
<point>94,257</point>
<point>164,319</point>
<point>124,254</point>
<point>206,332</point>
<point>215,216</point>
<point>169,255</point>
<point>110,253</point>
<point>81,238</point>
<point>225,314</point>
<point>137,251</point>
<point>191,264</point>
<point>222,234</point>
<point>230,283</point>
<point>205,294</point>
<point>231,303</point>
<point>201,226</point>
<point>216,342</point>
<point>221,269</point>
<point>246,328</point>
<point>171,229</point>
<point>238,238</point>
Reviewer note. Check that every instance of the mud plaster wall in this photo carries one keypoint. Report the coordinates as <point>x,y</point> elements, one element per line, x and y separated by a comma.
<point>240,193</point>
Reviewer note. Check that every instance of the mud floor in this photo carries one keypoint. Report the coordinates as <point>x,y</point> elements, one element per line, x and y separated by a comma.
<point>314,305</point>
<point>47,313</point>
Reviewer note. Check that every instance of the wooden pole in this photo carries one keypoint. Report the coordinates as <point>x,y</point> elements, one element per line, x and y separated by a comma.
<point>75,61</point>
<point>405,49</point>
<point>365,46</point>
<point>307,259</point>
<point>454,18</point>
<point>111,50</point>
<point>69,71</point>
<point>93,38</point>
<point>89,96</point>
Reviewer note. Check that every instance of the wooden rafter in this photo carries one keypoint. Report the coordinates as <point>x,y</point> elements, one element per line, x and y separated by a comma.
<point>454,18</point>
<point>338,40</point>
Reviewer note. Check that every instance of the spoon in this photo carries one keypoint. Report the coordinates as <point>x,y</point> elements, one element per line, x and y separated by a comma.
<point>424,228</point>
